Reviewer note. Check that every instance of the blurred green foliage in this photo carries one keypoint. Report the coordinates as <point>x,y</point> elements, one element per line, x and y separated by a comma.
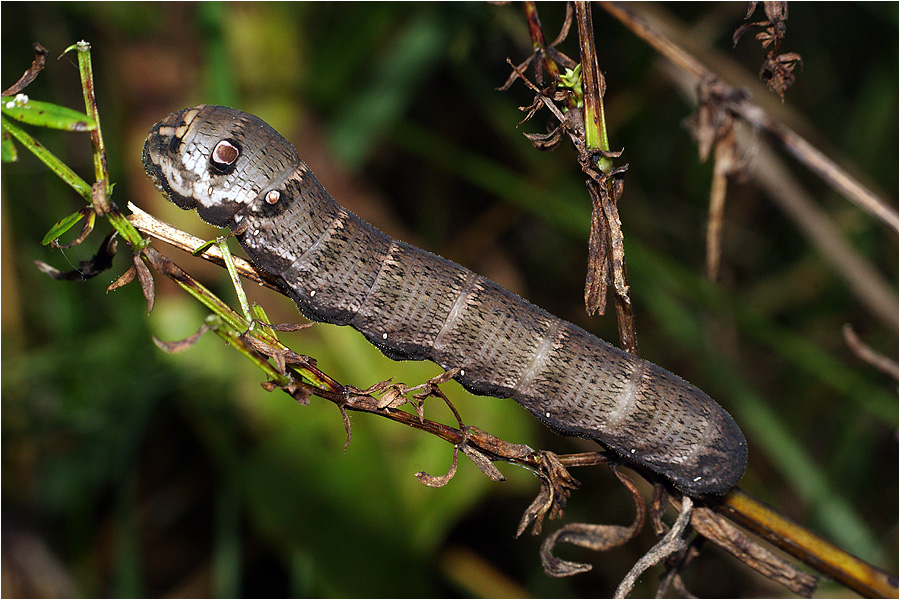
<point>143,474</point>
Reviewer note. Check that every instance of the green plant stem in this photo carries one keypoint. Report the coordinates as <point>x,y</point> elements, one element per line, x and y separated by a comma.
<point>235,279</point>
<point>595,134</point>
<point>86,71</point>
<point>229,325</point>
<point>61,169</point>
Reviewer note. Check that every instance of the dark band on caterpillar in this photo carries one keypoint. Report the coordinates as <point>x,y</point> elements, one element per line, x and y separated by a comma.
<point>238,172</point>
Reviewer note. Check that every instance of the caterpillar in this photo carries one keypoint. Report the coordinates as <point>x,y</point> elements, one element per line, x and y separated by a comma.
<point>238,172</point>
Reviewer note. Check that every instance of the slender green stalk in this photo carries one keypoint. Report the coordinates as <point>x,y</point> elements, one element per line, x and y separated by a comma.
<point>595,134</point>
<point>61,169</point>
<point>235,279</point>
<point>235,340</point>
<point>86,71</point>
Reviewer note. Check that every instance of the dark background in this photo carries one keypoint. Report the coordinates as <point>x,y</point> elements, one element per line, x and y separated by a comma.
<point>128,472</point>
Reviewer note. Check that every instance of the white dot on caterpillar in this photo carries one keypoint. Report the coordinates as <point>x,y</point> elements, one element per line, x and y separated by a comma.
<point>273,196</point>
<point>462,372</point>
<point>696,479</point>
<point>546,414</point>
<point>384,336</point>
<point>312,293</point>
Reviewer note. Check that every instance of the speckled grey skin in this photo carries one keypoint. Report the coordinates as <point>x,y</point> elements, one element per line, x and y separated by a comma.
<point>240,173</point>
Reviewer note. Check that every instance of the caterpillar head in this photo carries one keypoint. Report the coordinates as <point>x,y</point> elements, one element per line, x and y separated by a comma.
<point>218,160</point>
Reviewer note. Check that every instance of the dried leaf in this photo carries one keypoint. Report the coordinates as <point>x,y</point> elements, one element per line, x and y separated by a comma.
<point>484,464</point>
<point>287,327</point>
<point>494,445</point>
<point>598,538</point>
<point>301,393</point>
<point>441,480</point>
<point>444,377</point>
<point>346,420</point>
<point>536,511</point>
<point>391,399</point>
<point>717,529</point>
<point>751,8</point>
<point>124,279</point>
<point>776,12</point>
<point>556,485</point>
<point>146,280</point>
<point>180,345</point>
<point>778,72</point>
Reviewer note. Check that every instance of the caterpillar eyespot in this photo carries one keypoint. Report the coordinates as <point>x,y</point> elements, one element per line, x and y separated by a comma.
<point>342,270</point>
<point>224,155</point>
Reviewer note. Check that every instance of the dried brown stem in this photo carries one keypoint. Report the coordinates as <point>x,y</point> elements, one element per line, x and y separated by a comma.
<point>866,353</point>
<point>40,58</point>
<point>775,178</point>
<point>803,544</point>
<point>607,242</point>
<point>797,146</point>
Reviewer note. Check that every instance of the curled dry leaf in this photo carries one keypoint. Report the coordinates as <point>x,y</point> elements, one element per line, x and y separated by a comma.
<point>556,486</point>
<point>591,536</point>
<point>284,327</point>
<point>393,398</point>
<point>440,480</point>
<point>301,394</point>
<point>777,69</point>
<point>346,419</point>
<point>444,377</point>
<point>494,445</point>
<point>180,345</point>
<point>596,537</point>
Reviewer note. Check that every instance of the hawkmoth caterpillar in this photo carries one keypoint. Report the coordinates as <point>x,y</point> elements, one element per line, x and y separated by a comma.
<point>238,172</point>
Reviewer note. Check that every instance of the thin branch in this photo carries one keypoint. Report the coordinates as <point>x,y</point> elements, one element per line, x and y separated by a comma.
<point>813,550</point>
<point>782,187</point>
<point>37,65</point>
<point>775,179</point>
<point>797,146</point>
<point>866,353</point>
